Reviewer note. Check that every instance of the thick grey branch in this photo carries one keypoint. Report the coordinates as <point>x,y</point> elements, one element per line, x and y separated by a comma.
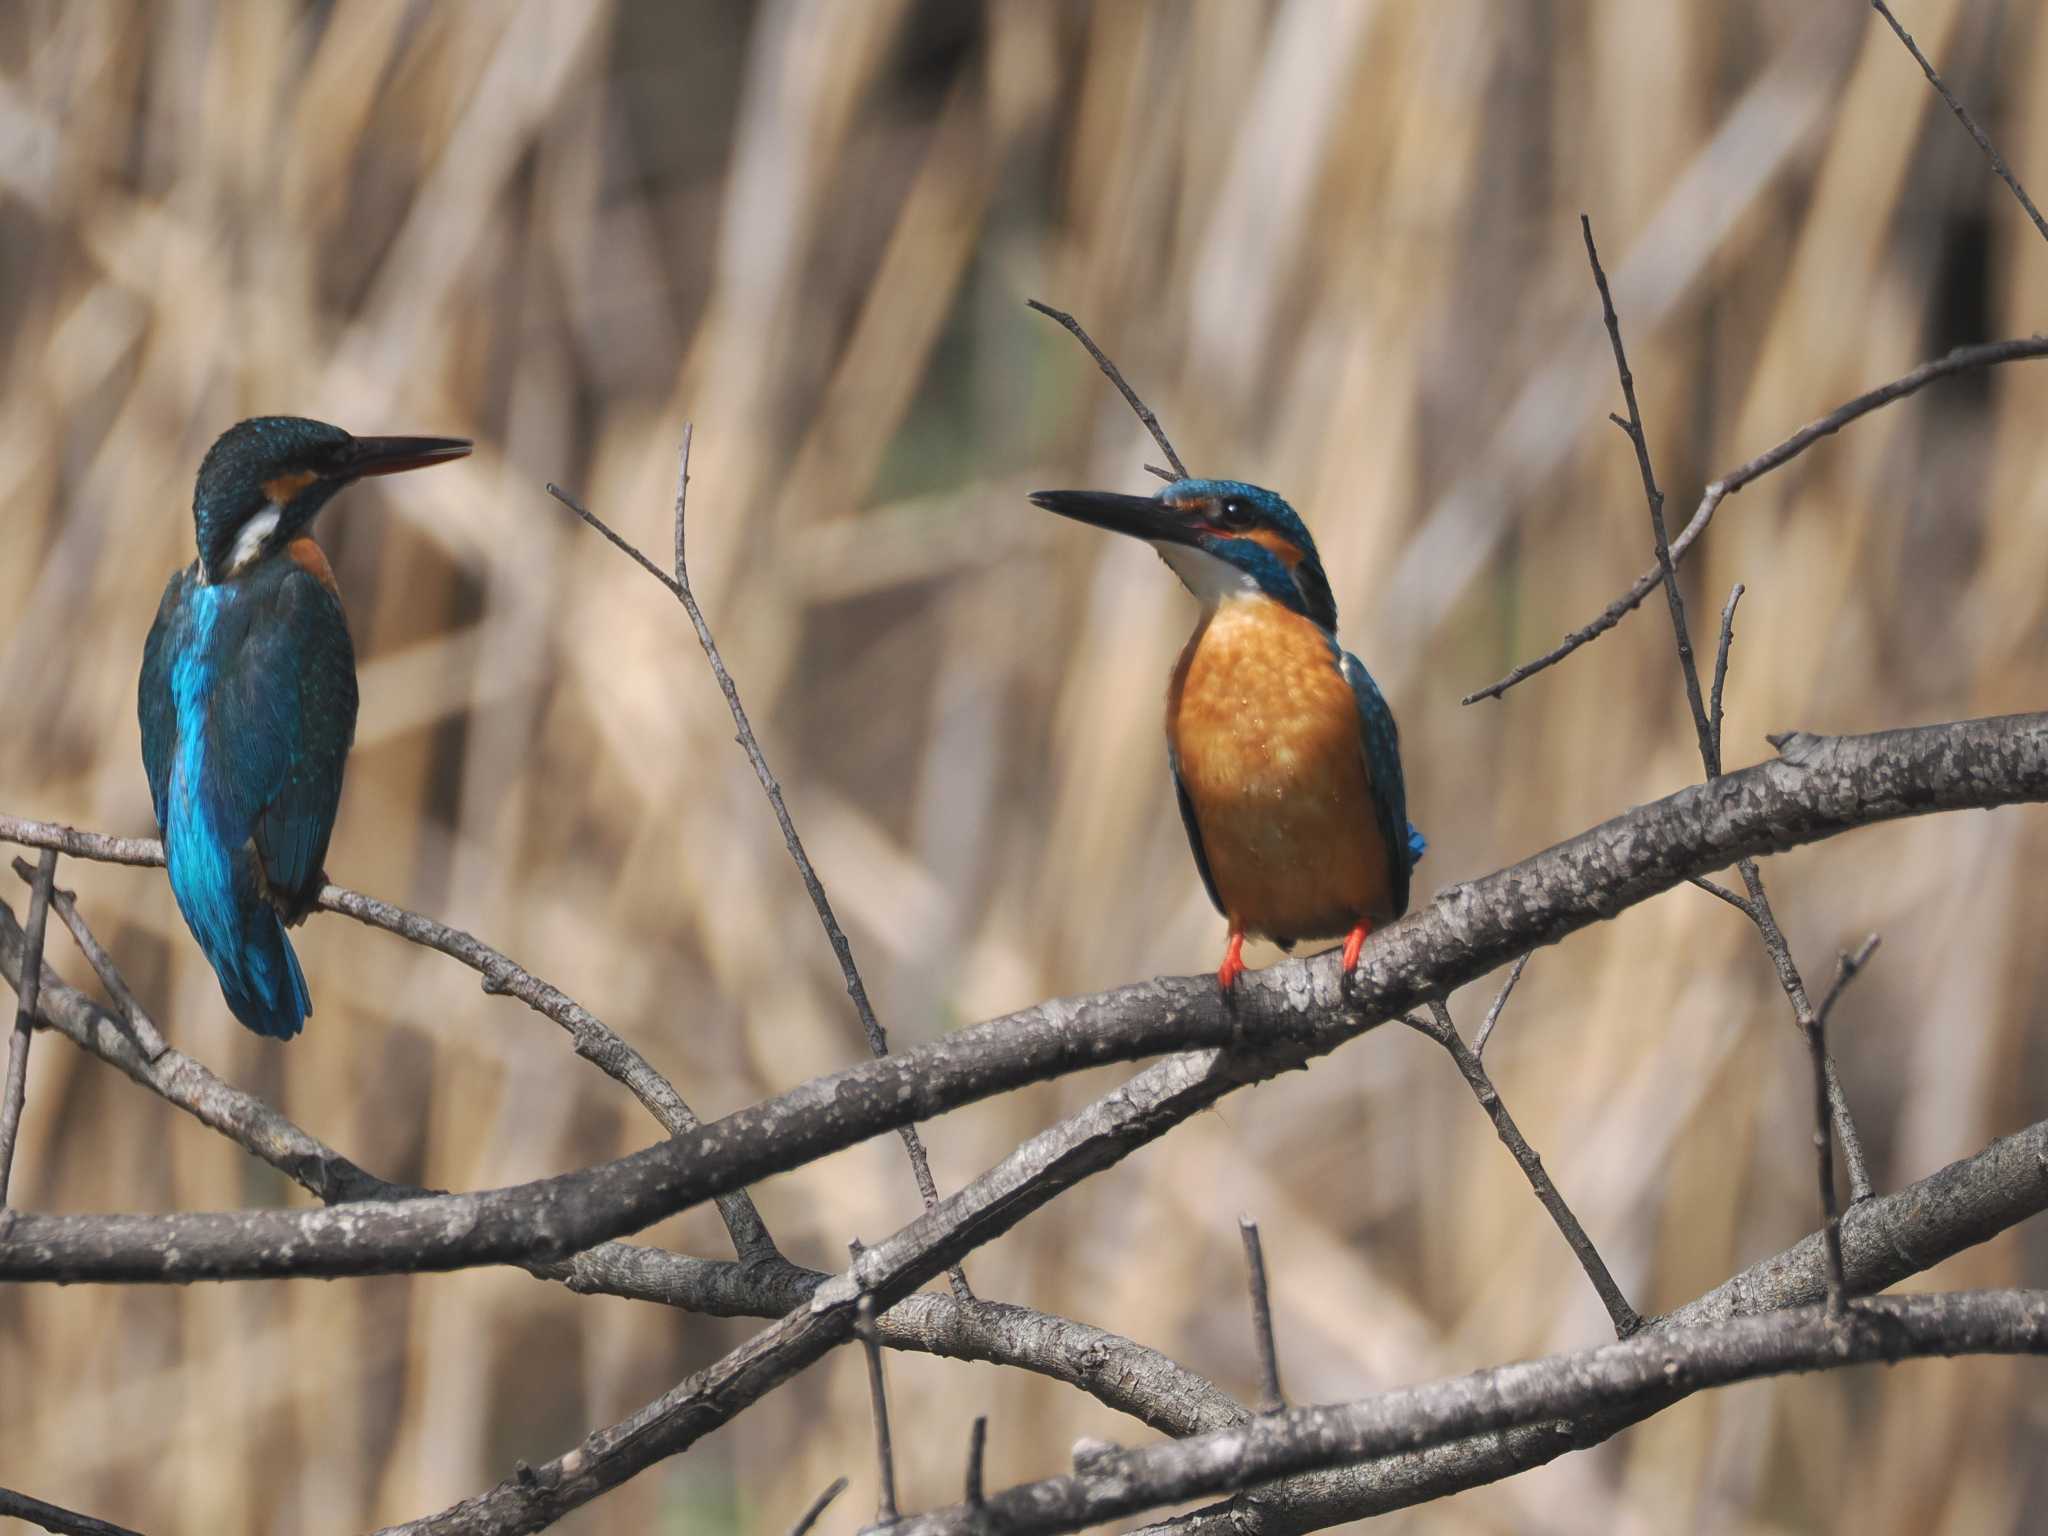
<point>1817,787</point>
<point>594,1040</point>
<point>1663,1367</point>
<point>1885,1240</point>
<point>1116,1371</point>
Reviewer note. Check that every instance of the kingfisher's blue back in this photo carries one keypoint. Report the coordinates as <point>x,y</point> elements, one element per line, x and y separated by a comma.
<point>247,702</point>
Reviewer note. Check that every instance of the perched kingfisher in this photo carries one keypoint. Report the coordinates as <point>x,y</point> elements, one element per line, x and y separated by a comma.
<point>1283,749</point>
<point>248,700</point>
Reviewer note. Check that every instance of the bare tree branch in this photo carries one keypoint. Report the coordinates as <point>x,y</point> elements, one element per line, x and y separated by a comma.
<point>1706,726</point>
<point>1885,1240</point>
<point>1962,116</point>
<point>594,1040</point>
<point>1118,1372</point>
<point>1816,787</point>
<point>1669,1365</point>
<point>1624,1317</point>
<point>1115,376</point>
<point>1710,752</point>
<point>14,1091</point>
<point>1961,360</point>
<point>51,1518</point>
<point>679,586</point>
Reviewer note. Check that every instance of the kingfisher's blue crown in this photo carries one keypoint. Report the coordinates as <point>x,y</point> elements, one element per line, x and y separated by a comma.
<point>246,461</point>
<point>1258,532</point>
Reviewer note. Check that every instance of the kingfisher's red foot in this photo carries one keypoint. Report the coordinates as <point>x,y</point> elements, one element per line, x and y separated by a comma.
<point>1353,943</point>
<point>1233,963</point>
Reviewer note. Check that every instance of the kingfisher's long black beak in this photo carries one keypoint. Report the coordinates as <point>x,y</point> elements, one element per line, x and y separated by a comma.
<point>390,455</point>
<point>1142,517</point>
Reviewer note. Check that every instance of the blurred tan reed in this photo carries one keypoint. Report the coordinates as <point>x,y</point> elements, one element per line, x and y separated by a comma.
<point>1336,246</point>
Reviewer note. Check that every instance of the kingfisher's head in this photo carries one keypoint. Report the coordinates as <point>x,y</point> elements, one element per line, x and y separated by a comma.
<point>1223,538</point>
<point>265,479</point>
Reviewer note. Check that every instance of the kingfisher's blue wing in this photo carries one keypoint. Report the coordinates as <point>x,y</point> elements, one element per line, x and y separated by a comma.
<point>1187,818</point>
<point>1381,741</point>
<point>290,690</point>
<point>155,705</point>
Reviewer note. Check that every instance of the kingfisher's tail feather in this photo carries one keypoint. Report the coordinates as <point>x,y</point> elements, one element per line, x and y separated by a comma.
<point>222,899</point>
<point>1417,844</point>
<point>266,989</point>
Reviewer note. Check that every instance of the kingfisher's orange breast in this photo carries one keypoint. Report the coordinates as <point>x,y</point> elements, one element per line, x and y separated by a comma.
<point>1266,731</point>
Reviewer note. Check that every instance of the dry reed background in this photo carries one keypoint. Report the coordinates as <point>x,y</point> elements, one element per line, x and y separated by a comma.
<point>1336,245</point>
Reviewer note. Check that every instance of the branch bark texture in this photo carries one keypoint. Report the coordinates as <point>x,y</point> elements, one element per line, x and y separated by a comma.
<point>1816,787</point>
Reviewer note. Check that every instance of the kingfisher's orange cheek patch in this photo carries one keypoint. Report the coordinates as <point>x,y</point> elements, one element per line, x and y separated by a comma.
<point>285,487</point>
<point>1266,538</point>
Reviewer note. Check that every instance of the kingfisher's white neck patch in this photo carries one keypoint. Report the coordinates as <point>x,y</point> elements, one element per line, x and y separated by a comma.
<point>252,537</point>
<point>1210,577</point>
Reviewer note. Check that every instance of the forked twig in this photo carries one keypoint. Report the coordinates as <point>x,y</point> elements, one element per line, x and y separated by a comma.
<point>679,588</point>
<point>1115,376</point>
<point>1759,905</point>
<point>1960,360</point>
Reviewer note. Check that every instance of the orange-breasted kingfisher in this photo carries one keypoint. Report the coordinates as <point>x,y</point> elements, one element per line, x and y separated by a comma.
<point>1283,750</point>
<point>248,700</point>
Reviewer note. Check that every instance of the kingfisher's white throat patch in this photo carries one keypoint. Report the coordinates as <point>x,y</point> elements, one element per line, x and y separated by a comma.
<point>1210,577</point>
<point>252,537</point>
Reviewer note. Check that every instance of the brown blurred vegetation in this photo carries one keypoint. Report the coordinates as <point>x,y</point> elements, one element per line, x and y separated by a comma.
<point>1336,246</point>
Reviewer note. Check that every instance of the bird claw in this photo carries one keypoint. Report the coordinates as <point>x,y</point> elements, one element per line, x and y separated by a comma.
<point>1233,965</point>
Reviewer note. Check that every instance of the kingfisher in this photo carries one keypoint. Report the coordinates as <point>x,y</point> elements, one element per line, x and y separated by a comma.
<point>1283,751</point>
<point>248,700</point>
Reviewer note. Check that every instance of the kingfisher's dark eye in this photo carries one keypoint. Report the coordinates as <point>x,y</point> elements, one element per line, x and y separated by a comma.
<point>1234,514</point>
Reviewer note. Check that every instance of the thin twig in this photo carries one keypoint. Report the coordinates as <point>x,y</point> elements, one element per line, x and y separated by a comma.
<point>1983,142</point>
<point>1500,1001</point>
<point>1823,1144</point>
<point>1794,987</point>
<point>1625,1318</point>
<point>14,1096</point>
<point>977,1448</point>
<point>810,1516</point>
<point>679,587</point>
<point>1144,411</point>
<point>594,1040</point>
<point>1704,727</point>
<point>878,1401</point>
<point>1271,1399</point>
<point>1634,428</point>
<point>1961,360</point>
<point>1714,888</point>
<point>52,1518</point>
<point>1721,669</point>
<point>1123,1375</point>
